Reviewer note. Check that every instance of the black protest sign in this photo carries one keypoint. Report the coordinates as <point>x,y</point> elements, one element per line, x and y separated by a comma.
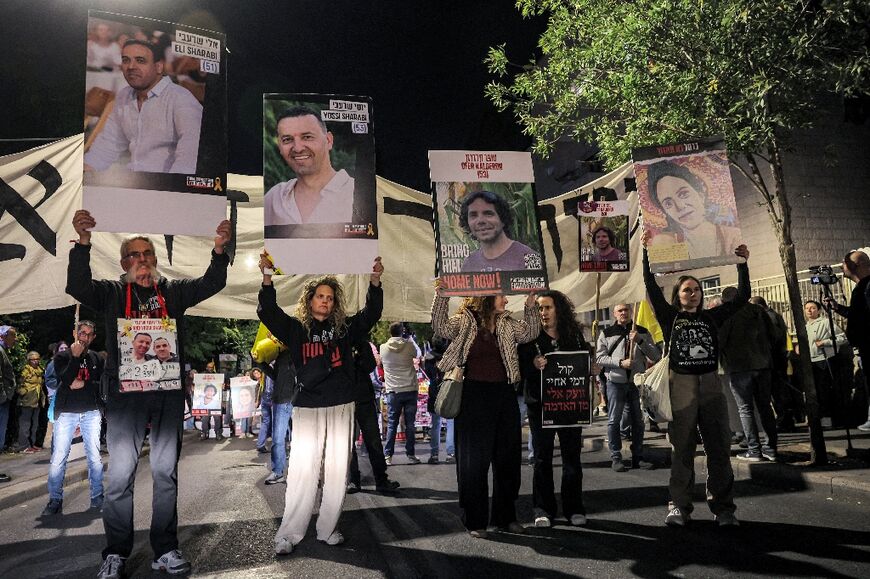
<point>565,396</point>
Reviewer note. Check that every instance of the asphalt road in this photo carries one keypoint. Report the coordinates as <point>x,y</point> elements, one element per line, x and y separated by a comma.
<point>227,519</point>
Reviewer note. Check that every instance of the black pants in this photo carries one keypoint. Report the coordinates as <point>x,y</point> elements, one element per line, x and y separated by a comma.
<point>488,432</point>
<point>366,417</point>
<point>42,428</point>
<point>28,422</point>
<point>543,487</point>
<point>127,416</point>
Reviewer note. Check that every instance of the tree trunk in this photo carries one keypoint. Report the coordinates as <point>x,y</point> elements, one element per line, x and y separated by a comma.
<point>782,226</point>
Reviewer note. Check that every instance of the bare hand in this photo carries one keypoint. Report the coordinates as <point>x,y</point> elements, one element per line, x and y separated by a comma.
<point>77,349</point>
<point>633,337</point>
<point>625,364</point>
<point>818,343</point>
<point>742,251</point>
<point>377,271</point>
<point>83,222</point>
<point>77,384</point>
<point>224,235</point>
<point>264,264</point>
<point>530,300</point>
<point>540,362</point>
<point>645,237</point>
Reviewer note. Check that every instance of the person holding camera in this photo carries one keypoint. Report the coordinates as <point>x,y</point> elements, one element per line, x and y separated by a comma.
<point>856,266</point>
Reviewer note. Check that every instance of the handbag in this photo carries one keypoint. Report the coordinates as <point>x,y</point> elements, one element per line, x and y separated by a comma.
<point>655,391</point>
<point>448,402</point>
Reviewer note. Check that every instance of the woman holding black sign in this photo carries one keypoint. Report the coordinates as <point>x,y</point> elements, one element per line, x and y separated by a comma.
<point>484,340</point>
<point>697,400</point>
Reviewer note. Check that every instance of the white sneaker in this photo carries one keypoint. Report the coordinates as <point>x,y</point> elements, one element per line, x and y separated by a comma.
<point>542,521</point>
<point>578,520</point>
<point>413,459</point>
<point>112,568</point>
<point>336,538</point>
<point>676,517</point>
<point>172,562</point>
<point>283,546</point>
<point>865,427</point>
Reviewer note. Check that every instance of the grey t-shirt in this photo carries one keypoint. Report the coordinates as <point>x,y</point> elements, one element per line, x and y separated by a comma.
<point>517,257</point>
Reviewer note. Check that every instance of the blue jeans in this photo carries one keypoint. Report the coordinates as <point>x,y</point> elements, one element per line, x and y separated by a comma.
<point>618,397</point>
<point>281,416</point>
<point>752,389</point>
<point>4,422</point>
<point>64,428</point>
<point>266,425</point>
<point>451,436</point>
<point>401,403</point>
<point>524,411</point>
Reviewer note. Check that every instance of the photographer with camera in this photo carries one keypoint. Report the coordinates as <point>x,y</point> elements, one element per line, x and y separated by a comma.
<point>856,266</point>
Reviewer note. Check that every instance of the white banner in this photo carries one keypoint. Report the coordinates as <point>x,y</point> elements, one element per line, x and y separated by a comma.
<point>33,277</point>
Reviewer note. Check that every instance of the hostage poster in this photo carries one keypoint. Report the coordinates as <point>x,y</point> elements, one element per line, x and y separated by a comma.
<point>603,235</point>
<point>319,179</point>
<point>688,205</point>
<point>487,233</point>
<point>148,349</point>
<point>155,126</point>
<point>207,390</point>
<point>243,394</point>
<point>565,392</point>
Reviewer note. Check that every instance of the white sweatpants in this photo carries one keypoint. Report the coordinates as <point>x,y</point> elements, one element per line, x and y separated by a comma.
<point>321,444</point>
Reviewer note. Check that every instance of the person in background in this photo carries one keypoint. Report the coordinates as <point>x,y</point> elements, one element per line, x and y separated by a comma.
<point>8,337</point>
<point>31,400</point>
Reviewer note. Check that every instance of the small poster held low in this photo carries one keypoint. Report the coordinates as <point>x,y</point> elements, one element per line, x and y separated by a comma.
<point>565,396</point>
<point>487,233</point>
<point>149,354</point>
<point>243,392</point>
<point>207,394</point>
<point>603,235</point>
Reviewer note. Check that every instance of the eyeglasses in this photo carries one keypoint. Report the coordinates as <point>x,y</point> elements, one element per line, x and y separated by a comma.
<point>85,333</point>
<point>139,254</point>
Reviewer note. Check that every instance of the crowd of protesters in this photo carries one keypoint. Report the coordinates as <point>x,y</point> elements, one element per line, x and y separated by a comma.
<point>323,390</point>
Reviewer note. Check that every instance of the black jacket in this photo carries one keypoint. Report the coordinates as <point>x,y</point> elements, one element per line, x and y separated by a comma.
<point>110,297</point>
<point>340,387</point>
<point>88,367</point>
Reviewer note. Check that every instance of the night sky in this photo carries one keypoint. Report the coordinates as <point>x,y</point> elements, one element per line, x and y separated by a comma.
<point>421,62</point>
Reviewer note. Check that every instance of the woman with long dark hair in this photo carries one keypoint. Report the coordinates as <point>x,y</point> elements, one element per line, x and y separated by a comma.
<point>697,399</point>
<point>484,340</point>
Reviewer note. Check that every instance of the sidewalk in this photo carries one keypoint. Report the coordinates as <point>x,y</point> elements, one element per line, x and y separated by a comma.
<point>844,477</point>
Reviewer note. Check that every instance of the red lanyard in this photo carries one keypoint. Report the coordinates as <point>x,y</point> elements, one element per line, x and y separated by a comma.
<point>164,313</point>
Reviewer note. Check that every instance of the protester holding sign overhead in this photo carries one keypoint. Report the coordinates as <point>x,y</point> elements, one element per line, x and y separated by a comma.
<point>697,399</point>
<point>559,332</point>
<point>484,340</point>
<point>141,293</point>
<point>320,341</point>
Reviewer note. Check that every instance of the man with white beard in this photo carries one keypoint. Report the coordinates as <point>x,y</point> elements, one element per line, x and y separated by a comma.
<point>141,293</point>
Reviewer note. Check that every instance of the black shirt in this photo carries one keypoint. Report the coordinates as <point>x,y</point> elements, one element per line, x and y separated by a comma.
<point>89,368</point>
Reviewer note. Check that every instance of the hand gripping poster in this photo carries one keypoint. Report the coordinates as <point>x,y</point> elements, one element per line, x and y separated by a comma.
<point>603,235</point>
<point>207,394</point>
<point>688,205</point>
<point>487,233</point>
<point>320,207</point>
<point>155,126</point>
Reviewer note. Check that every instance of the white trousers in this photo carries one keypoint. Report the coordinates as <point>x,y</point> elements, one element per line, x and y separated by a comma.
<point>321,444</point>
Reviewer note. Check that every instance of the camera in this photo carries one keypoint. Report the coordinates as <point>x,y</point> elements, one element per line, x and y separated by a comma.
<point>822,274</point>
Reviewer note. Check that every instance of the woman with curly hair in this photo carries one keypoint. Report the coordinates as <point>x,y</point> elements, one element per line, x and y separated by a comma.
<point>484,340</point>
<point>320,342</point>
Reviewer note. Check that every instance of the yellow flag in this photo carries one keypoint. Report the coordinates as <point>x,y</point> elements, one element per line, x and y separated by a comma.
<point>647,319</point>
<point>266,346</point>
